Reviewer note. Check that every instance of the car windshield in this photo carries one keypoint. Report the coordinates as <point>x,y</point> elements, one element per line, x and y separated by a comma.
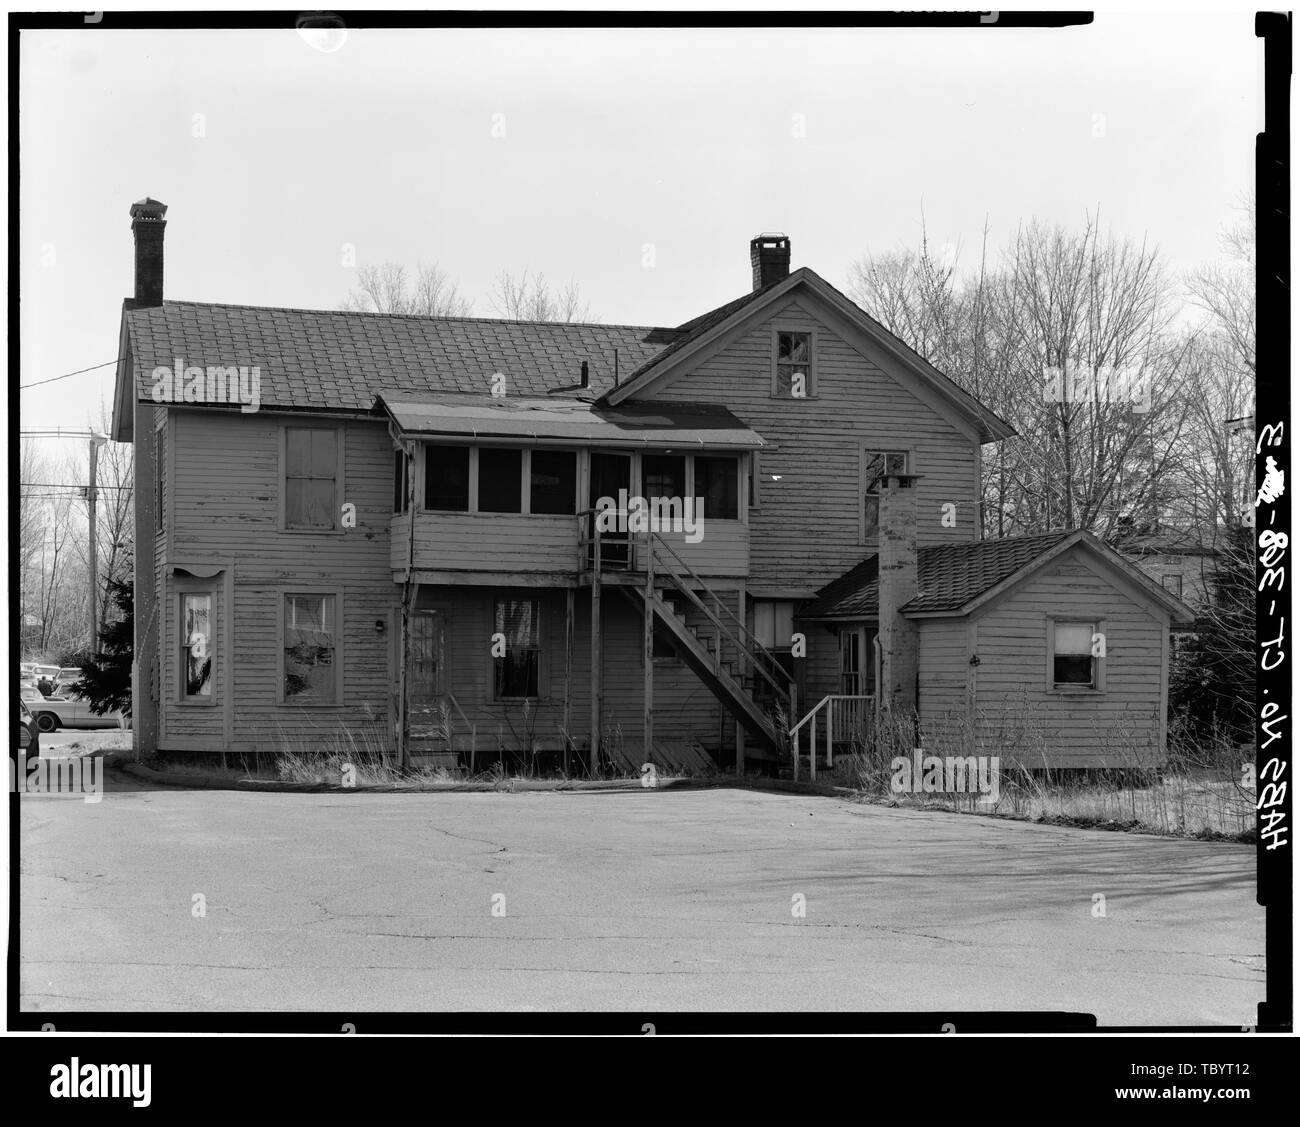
<point>23,710</point>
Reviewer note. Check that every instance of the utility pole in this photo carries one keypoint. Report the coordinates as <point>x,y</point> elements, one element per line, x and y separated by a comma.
<point>96,441</point>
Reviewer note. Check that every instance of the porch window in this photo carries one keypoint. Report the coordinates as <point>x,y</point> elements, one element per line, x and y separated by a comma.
<point>553,482</point>
<point>875,464</point>
<point>196,647</point>
<point>500,477</point>
<point>401,471</point>
<point>446,478</point>
<point>1074,664</point>
<point>663,475</point>
<point>310,673</point>
<point>851,662</point>
<point>310,477</point>
<point>717,481</point>
<point>517,672</point>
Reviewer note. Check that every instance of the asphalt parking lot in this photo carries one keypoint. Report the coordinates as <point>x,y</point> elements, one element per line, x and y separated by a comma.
<point>166,899</point>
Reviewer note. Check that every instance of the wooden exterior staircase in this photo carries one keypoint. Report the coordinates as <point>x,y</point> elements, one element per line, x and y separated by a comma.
<point>736,668</point>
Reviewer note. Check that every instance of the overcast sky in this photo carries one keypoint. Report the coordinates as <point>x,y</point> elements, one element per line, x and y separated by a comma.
<point>690,141</point>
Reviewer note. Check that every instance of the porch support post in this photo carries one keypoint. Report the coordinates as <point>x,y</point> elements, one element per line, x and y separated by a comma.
<point>648,689</point>
<point>595,649</point>
<point>568,671</point>
<point>740,729</point>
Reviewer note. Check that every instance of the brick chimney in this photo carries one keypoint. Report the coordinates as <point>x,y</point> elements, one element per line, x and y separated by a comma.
<point>770,257</point>
<point>899,636</point>
<point>147,223</point>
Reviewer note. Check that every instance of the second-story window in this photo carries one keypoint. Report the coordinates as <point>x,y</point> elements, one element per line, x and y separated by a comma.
<point>717,480</point>
<point>401,470</point>
<point>446,478</point>
<point>500,479</point>
<point>553,482</point>
<point>875,464</point>
<point>793,377</point>
<point>663,475</point>
<point>310,477</point>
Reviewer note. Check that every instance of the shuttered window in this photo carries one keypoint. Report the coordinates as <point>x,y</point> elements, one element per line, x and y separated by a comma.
<point>518,668</point>
<point>310,477</point>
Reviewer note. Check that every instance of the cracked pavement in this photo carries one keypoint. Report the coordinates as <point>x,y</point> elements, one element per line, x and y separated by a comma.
<point>637,901</point>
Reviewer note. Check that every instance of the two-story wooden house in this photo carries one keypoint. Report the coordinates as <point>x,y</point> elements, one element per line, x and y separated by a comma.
<point>605,542</point>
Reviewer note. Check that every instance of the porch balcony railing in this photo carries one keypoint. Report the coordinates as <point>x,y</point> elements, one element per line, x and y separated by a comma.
<point>843,718</point>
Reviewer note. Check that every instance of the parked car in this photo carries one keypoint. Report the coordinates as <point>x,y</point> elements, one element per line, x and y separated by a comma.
<point>67,710</point>
<point>67,675</point>
<point>28,734</point>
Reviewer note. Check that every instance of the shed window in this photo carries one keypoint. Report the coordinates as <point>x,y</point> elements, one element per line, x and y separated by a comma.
<point>500,478</point>
<point>446,478</point>
<point>310,477</point>
<point>553,482</point>
<point>518,670</point>
<point>309,649</point>
<point>1074,664</point>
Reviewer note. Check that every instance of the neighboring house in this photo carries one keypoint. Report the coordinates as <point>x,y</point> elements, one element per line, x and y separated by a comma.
<point>406,529</point>
<point>1177,561</point>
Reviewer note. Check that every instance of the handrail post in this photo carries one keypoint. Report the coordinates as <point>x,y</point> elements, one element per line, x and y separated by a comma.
<point>812,751</point>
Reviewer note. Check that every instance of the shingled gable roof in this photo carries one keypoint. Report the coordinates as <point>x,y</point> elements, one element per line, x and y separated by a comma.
<point>695,336</point>
<point>954,578</point>
<point>339,361</point>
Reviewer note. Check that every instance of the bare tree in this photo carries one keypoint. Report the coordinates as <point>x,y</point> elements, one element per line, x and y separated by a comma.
<point>387,288</point>
<point>530,298</point>
<point>1058,300</point>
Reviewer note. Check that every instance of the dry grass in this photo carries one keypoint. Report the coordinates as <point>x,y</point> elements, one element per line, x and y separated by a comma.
<point>1200,791</point>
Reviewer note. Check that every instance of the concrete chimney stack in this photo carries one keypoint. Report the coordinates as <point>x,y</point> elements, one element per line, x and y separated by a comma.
<point>899,636</point>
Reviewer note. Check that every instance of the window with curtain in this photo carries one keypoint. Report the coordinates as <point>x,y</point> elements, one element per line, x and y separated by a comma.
<point>196,646</point>
<point>309,649</point>
<point>518,670</point>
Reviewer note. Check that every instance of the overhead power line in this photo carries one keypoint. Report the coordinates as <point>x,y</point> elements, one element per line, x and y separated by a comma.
<point>67,375</point>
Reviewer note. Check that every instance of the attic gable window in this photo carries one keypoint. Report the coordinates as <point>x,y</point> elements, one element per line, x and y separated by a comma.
<point>792,374</point>
<point>311,466</point>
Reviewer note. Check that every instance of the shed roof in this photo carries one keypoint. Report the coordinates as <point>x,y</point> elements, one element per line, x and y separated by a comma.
<point>557,418</point>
